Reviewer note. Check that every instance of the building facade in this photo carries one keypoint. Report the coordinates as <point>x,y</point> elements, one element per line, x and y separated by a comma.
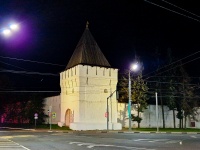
<point>85,85</point>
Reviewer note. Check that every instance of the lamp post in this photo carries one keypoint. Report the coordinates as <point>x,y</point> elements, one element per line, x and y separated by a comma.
<point>107,109</point>
<point>156,94</point>
<point>134,67</point>
<point>129,101</point>
<point>50,120</point>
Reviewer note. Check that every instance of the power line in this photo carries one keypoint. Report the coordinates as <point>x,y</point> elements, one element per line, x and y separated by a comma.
<point>179,65</point>
<point>29,91</point>
<point>172,77</point>
<point>177,96</point>
<point>12,65</point>
<point>176,66</point>
<point>181,8</point>
<point>169,82</point>
<point>32,61</point>
<point>172,10</point>
<point>173,63</point>
<point>25,72</point>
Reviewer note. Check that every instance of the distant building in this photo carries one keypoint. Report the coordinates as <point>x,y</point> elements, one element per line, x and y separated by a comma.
<point>85,85</point>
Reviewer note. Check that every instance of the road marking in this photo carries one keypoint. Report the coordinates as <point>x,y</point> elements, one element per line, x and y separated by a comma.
<point>173,141</point>
<point>6,143</point>
<point>193,136</point>
<point>92,145</point>
<point>16,136</point>
<point>143,140</point>
<point>157,140</point>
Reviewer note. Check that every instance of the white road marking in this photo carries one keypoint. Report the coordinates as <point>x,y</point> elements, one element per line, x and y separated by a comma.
<point>143,140</point>
<point>6,143</point>
<point>193,136</point>
<point>173,141</point>
<point>158,140</point>
<point>92,145</point>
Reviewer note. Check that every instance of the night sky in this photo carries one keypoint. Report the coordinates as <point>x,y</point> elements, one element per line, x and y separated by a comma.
<point>51,29</point>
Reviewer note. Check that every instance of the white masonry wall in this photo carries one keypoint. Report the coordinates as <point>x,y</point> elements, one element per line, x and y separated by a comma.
<point>84,91</point>
<point>52,103</point>
<point>149,117</point>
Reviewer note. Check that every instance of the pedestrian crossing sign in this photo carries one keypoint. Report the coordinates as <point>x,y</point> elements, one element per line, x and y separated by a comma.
<point>53,115</point>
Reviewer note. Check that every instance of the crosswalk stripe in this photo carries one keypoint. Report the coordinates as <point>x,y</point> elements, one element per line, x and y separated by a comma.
<point>6,143</point>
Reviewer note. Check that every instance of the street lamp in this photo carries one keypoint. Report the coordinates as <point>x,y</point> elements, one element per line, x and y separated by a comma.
<point>134,67</point>
<point>7,31</point>
<point>14,27</point>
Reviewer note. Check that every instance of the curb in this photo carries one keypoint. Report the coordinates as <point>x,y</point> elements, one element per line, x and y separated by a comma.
<point>154,132</point>
<point>91,131</point>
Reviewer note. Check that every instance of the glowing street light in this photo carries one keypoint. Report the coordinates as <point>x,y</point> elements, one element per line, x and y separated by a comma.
<point>134,67</point>
<point>10,29</point>
<point>14,27</point>
<point>6,32</point>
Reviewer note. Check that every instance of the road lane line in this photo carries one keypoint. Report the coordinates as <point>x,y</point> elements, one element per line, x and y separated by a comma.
<point>159,140</point>
<point>173,141</point>
<point>143,140</point>
<point>193,136</point>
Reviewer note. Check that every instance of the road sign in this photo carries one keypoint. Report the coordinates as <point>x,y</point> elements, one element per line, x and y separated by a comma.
<point>53,115</point>
<point>36,115</point>
<point>106,114</point>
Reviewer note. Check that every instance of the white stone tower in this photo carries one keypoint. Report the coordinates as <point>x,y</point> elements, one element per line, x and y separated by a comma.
<point>85,85</point>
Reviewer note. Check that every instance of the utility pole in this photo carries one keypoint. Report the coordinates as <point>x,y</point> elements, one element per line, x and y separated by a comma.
<point>156,94</point>
<point>107,110</point>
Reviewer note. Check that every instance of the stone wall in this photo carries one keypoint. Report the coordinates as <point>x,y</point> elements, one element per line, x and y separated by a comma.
<point>149,117</point>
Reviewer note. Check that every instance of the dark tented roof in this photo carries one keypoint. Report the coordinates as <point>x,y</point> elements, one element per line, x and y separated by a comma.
<point>87,52</point>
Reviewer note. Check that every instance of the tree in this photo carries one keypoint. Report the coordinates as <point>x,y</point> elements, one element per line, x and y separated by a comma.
<point>172,85</point>
<point>35,105</point>
<point>21,109</point>
<point>5,84</point>
<point>182,94</point>
<point>188,104</point>
<point>158,86</point>
<point>139,96</point>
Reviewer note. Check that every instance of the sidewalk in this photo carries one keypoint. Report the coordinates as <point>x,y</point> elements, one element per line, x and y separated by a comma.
<point>96,131</point>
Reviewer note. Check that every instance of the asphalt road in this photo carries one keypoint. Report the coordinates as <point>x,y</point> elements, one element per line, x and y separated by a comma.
<point>43,140</point>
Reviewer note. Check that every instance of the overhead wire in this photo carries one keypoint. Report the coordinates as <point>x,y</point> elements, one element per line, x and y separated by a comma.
<point>172,10</point>
<point>172,77</point>
<point>169,82</point>
<point>172,63</point>
<point>12,65</point>
<point>181,8</point>
<point>25,72</point>
<point>32,61</point>
<point>179,14</point>
<point>179,65</point>
<point>29,91</point>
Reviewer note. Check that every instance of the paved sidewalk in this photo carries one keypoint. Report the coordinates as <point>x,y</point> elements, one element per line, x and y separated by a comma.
<point>93,131</point>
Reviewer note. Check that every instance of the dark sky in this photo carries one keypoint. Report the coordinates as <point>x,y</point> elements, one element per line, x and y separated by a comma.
<point>122,28</point>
